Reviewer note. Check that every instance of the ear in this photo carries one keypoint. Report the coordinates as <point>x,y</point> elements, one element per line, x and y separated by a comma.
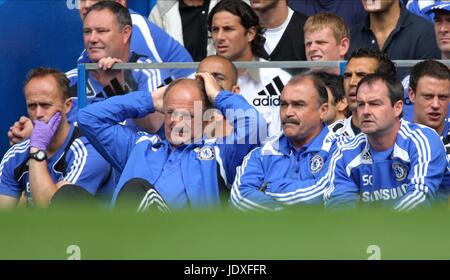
<point>412,95</point>
<point>67,105</point>
<point>398,108</point>
<point>126,30</point>
<point>251,34</point>
<point>344,46</point>
<point>323,110</point>
<point>236,89</point>
<point>342,105</point>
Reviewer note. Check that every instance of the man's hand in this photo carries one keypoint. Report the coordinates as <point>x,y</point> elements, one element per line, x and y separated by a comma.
<point>105,74</point>
<point>158,98</point>
<point>43,132</point>
<point>20,130</point>
<point>211,86</point>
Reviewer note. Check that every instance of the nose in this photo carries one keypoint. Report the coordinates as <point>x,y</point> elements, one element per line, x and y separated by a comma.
<point>288,112</point>
<point>366,109</point>
<point>92,37</point>
<point>40,113</point>
<point>444,27</point>
<point>354,80</point>
<point>312,47</point>
<point>435,102</point>
<point>220,35</point>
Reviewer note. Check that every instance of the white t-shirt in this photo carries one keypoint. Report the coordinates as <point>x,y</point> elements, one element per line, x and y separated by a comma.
<point>262,89</point>
<point>273,35</point>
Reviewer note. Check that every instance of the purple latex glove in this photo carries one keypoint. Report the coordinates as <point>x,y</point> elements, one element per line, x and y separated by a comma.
<point>43,132</point>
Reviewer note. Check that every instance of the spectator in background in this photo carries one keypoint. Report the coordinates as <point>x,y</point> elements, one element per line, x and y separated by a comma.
<point>352,12</point>
<point>361,63</point>
<point>283,30</point>
<point>326,38</point>
<point>392,29</point>
<point>57,163</point>
<point>429,91</point>
<point>237,35</point>
<point>225,74</point>
<point>442,31</point>
<point>113,46</point>
<point>186,21</point>
<point>337,103</point>
<point>148,40</point>
<point>442,27</point>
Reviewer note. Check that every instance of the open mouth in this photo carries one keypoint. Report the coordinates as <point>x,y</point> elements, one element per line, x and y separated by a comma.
<point>316,57</point>
<point>434,116</point>
<point>222,49</point>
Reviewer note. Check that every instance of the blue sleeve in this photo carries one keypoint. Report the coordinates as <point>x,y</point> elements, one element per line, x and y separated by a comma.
<point>249,130</point>
<point>86,167</point>
<point>246,193</point>
<point>290,191</point>
<point>342,191</point>
<point>149,79</point>
<point>100,124</point>
<point>8,183</point>
<point>428,164</point>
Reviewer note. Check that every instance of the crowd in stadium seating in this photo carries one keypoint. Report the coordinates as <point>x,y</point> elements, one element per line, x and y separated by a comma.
<point>256,139</point>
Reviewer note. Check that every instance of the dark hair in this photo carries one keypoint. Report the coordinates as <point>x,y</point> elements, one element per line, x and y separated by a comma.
<point>394,86</point>
<point>122,15</point>
<point>197,83</point>
<point>248,19</point>
<point>319,85</point>
<point>60,78</point>
<point>431,68</point>
<point>335,83</point>
<point>385,64</point>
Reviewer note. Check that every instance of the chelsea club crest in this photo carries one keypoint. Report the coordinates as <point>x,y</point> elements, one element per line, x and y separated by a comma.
<point>399,171</point>
<point>316,164</point>
<point>205,153</point>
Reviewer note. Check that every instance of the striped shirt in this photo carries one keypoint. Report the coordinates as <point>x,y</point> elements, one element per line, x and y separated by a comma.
<point>76,162</point>
<point>277,175</point>
<point>405,176</point>
<point>136,80</point>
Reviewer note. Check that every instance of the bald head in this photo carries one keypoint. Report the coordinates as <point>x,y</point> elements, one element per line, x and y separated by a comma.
<point>184,103</point>
<point>222,69</point>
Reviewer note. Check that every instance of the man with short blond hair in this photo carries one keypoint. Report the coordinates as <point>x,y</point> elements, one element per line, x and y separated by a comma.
<point>326,38</point>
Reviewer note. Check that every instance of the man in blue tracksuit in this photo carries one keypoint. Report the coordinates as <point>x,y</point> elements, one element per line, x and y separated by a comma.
<point>393,162</point>
<point>149,40</point>
<point>291,168</point>
<point>57,164</point>
<point>107,33</point>
<point>429,91</point>
<point>184,169</point>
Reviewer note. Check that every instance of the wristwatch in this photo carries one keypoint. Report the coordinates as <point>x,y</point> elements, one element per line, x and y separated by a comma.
<point>39,155</point>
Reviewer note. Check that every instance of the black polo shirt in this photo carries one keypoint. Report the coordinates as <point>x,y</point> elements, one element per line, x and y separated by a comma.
<point>195,33</point>
<point>412,38</point>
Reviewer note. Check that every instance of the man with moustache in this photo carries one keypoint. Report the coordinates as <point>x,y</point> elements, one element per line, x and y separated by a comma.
<point>293,168</point>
